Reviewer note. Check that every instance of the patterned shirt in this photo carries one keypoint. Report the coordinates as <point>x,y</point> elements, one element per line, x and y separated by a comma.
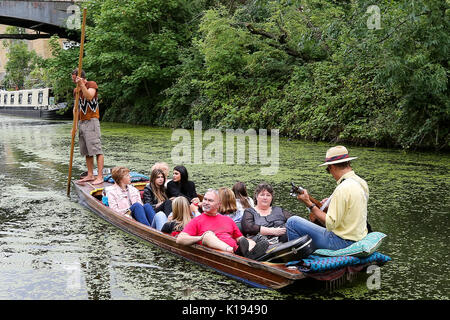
<point>88,109</point>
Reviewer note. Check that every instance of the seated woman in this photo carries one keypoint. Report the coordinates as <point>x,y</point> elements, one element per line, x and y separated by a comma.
<point>165,169</point>
<point>181,186</point>
<point>155,192</point>
<point>243,201</point>
<point>125,199</point>
<point>180,217</point>
<point>228,205</point>
<point>265,221</point>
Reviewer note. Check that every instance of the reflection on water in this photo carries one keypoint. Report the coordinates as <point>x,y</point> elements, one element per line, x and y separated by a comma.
<point>53,248</point>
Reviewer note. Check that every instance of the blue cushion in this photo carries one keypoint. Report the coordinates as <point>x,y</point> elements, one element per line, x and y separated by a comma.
<point>105,201</point>
<point>363,248</point>
<point>135,177</point>
<point>323,264</point>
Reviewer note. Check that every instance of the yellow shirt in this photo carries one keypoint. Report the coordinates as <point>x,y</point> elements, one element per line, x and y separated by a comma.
<point>347,213</point>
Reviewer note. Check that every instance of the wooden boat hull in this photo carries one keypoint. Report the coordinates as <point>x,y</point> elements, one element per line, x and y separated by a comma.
<point>254,273</point>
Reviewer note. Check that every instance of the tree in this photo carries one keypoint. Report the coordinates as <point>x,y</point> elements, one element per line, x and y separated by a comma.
<point>317,69</point>
<point>58,69</point>
<point>21,62</point>
<point>133,49</point>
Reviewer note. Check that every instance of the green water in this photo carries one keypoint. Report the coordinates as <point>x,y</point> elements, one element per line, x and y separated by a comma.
<point>53,248</point>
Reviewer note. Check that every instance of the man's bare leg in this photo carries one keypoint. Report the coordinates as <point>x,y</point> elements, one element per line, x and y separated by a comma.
<point>211,240</point>
<point>100,164</point>
<point>90,167</point>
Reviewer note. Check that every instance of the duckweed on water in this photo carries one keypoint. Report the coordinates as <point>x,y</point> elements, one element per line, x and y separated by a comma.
<point>59,249</point>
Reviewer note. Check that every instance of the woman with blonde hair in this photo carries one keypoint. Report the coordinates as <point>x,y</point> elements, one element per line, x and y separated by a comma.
<point>228,205</point>
<point>181,215</point>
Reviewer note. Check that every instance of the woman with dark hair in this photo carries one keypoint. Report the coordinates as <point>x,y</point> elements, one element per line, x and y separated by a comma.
<point>265,220</point>
<point>155,192</point>
<point>181,186</point>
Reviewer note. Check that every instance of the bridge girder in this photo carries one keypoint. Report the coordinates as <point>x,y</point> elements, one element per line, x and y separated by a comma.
<point>43,16</point>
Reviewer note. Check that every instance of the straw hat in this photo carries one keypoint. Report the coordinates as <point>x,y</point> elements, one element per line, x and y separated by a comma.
<point>337,154</point>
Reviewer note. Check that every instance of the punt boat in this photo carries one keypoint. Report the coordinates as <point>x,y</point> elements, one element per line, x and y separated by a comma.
<point>260,274</point>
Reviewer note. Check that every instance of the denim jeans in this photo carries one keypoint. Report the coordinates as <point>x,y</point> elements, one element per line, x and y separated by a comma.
<point>321,237</point>
<point>143,213</point>
<point>159,220</point>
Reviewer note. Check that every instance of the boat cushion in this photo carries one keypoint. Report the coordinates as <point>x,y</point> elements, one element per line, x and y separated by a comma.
<point>323,264</point>
<point>363,248</point>
<point>135,177</point>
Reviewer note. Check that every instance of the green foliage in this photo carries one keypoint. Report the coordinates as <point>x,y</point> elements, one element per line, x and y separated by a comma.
<point>133,53</point>
<point>315,69</point>
<point>58,69</point>
<point>21,62</point>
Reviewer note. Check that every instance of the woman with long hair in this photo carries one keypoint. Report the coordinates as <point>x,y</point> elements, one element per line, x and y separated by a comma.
<point>181,186</point>
<point>155,192</point>
<point>228,204</point>
<point>180,216</point>
<point>243,201</point>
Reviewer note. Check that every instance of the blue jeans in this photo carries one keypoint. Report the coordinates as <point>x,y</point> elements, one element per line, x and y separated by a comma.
<point>159,220</point>
<point>143,213</point>
<point>321,237</point>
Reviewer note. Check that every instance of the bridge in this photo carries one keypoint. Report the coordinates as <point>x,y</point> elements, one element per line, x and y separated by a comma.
<point>61,17</point>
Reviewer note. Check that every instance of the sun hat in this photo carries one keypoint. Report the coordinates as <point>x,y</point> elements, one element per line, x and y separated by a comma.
<point>335,155</point>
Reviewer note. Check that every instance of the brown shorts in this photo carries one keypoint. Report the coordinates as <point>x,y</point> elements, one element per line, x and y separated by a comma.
<point>89,137</point>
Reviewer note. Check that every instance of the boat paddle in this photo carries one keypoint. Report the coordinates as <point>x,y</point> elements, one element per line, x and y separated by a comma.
<point>77,97</point>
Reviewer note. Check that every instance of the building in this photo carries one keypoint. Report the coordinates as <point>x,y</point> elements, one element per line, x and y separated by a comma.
<point>41,46</point>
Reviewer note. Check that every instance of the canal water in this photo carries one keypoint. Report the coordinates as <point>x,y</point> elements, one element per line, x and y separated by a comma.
<point>51,247</point>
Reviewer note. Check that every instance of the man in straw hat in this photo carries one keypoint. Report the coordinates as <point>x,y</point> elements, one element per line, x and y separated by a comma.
<point>346,219</point>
